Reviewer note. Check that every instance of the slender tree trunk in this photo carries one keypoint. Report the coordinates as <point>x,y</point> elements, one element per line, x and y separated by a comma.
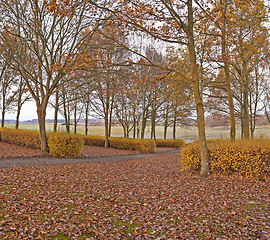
<point>165,130</point>
<point>41,112</point>
<point>227,73</point>
<point>86,118</point>
<point>106,120</point>
<point>3,110</point>
<point>197,95</point>
<point>56,111</point>
<point>125,133</point>
<point>153,123</point>
<point>75,119</point>
<point>246,113</point>
<point>166,122</point>
<point>18,116</point>
<point>110,125</point>
<point>174,123</point>
<point>143,127</point>
<point>3,117</point>
<point>174,130</point>
<point>134,124</point>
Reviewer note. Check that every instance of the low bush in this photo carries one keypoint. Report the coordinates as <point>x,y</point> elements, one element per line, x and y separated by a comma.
<point>28,138</point>
<point>248,158</point>
<point>61,144</point>
<point>94,140</point>
<point>145,145</point>
<point>177,143</point>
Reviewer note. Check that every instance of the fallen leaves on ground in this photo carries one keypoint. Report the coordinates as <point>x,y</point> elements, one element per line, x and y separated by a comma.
<point>142,199</point>
<point>95,151</point>
<point>12,150</point>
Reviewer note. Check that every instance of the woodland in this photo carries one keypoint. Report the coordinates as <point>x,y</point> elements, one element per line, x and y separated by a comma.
<point>136,63</point>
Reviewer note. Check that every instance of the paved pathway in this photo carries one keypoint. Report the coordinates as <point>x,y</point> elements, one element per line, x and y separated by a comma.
<point>39,161</point>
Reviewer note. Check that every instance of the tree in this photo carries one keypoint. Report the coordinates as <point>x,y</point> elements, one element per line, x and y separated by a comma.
<point>49,37</point>
<point>176,25</point>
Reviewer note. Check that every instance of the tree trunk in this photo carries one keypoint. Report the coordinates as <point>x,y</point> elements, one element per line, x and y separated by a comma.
<point>174,124</point>
<point>18,116</point>
<point>197,95</point>
<point>125,133</point>
<point>3,110</point>
<point>144,120</point>
<point>227,74</point>
<point>166,122</point>
<point>165,129</point>
<point>106,120</point>
<point>41,112</point>
<point>153,123</point>
<point>56,111</point>
<point>246,113</point>
<point>86,118</point>
<point>75,119</point>
<point>3,117</point>
<point>134,125</point>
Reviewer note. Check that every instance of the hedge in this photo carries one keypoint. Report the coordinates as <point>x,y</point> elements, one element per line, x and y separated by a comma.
<point>61,144</point>
<point>243,157</point>
<point>145,145</point>
<point>142,145</point>
<point>28,138</point>
<point>94,140</point>
<point>177,143</point>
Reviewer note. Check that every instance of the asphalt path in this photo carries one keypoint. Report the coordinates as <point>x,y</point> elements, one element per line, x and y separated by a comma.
<point>48,160</point>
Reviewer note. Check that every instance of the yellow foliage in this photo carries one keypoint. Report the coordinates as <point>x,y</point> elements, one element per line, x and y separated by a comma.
<point>94,140</point>
<point>28,138</point>
<point>178,143</point>
<point>244,157</point>
<point>61,144</point>
<point>145,146</point>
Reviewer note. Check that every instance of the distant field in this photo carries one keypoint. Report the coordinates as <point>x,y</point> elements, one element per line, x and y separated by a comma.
<point>186,133</point>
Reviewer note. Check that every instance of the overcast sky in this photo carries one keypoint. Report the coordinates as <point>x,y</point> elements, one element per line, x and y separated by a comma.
<point>29,112</point>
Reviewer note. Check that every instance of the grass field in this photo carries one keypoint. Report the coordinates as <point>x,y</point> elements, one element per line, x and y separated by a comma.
<point>186,133</point>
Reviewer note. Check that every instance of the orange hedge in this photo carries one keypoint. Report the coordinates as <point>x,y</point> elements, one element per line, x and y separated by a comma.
<point>247,158</point>
<point>61,144</point>
<point>177,143</point>
<point>28,138</point>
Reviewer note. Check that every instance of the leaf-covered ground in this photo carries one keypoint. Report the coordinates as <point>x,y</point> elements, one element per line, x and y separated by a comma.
<point>11,150</point>
<point>141,199</point>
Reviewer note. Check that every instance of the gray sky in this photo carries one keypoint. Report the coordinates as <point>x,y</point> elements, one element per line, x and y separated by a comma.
<point>29,112</point>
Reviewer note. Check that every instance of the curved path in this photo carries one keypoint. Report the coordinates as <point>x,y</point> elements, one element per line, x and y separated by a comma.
<point>47,160</point>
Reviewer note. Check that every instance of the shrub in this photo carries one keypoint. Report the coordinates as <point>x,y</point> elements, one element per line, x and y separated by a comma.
<point>28,138</point>
<point>62,144</point>
<point>247,158</point>
<point>177,143</point>
<point>145,145</point>
<point>94,141</point>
